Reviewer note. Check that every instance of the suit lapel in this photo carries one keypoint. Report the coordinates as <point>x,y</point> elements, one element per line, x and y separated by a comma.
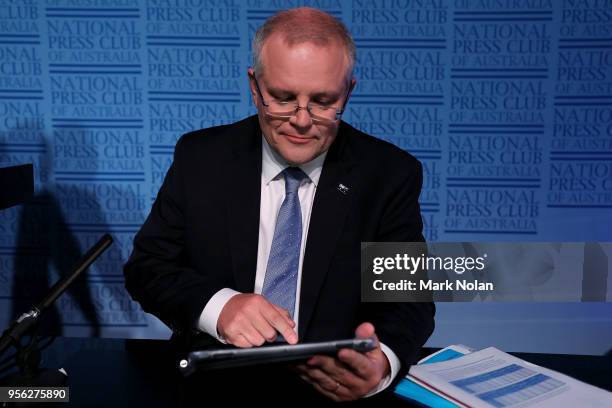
<point>329,211</point>
<point>243,210</point>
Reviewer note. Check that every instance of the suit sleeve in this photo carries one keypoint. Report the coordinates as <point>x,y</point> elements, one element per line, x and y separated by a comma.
<point>403,327</point>
<point>158,274</point>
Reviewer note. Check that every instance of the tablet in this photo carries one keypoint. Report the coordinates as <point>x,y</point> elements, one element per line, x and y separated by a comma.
<point>238,357</point>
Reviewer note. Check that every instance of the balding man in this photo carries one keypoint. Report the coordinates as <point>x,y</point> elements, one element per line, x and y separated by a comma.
<point>255,234</point>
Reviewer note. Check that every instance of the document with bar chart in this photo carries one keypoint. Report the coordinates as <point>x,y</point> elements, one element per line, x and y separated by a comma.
<point>492,378</point>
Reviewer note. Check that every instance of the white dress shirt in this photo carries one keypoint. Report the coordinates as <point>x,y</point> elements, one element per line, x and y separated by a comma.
<point>272,196</point>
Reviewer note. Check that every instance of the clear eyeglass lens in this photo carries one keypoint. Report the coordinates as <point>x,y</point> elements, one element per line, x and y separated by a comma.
<point>280,109</point>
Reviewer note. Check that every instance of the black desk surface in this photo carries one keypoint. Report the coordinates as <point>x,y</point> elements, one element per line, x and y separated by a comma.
<point>117,372</point>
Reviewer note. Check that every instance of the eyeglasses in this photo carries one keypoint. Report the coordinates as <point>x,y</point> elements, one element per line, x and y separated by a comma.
<point>286,110</point>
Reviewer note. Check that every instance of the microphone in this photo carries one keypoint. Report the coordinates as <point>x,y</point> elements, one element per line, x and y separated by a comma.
<point>25,322</point>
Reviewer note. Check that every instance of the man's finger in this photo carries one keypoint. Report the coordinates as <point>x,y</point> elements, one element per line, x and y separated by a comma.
<point>365,330</point>
<point>280,323</point>
<point>336,369</point>
<point>337,388</point>
<point>241,341</point>
<point>306,379</point>
<point>322,378</point>
<point>340,394</point>
<point>324,381</point>
<point>264,328</point>
<point>285,314</point>
<point>358,363</point>
<point>326,393</point>
<point>251,334</point>
<point>328,364</point>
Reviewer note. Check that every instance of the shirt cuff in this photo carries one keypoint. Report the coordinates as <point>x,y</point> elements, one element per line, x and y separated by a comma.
<point>210,315</point>
<point>394,365</point>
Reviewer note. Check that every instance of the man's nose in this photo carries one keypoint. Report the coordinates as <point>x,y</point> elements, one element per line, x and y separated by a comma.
<point>302,118</point>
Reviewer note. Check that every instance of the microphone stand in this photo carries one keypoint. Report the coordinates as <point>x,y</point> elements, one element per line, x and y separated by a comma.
<point>28,357</point>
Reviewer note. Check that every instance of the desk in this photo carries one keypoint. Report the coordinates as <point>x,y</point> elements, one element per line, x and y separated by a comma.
<point>116,372</point>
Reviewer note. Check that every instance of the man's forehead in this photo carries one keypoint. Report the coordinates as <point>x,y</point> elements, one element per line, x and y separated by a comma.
<point>284,66</point>
<point>280,38</point>
<point>277,85</point>
<point>277,45</point>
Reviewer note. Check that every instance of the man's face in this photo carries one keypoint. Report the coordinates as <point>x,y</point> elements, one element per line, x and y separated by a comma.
<point>301,73</point>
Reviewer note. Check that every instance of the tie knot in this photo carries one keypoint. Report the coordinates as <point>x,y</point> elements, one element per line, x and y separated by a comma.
<point>293,179</point>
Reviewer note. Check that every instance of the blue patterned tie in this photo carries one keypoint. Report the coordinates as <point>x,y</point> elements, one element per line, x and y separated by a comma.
<point>280,282</point>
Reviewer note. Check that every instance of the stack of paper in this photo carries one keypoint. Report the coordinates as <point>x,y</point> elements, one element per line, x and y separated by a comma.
<point>456,377</point>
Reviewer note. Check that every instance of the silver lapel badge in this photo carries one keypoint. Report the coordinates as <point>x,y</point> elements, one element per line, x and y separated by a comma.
<point>342,188</point>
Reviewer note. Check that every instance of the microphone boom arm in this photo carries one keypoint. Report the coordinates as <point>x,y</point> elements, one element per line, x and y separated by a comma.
<point>25,322</point>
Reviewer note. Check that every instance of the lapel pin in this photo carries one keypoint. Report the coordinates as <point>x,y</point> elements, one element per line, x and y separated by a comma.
<point>343,189</point>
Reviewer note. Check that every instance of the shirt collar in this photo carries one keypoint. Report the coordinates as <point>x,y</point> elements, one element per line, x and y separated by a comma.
<point>272,164</point>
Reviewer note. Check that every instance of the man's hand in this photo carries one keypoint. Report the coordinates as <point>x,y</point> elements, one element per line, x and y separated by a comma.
<point>249,320</point>
<point>351,375</point>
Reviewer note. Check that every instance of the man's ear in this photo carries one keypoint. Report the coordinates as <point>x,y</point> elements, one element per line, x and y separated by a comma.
<point>352,86</point>
<point>252,87</point>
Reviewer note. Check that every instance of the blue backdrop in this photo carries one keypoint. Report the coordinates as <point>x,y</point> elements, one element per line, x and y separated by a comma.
<point>508,104</point>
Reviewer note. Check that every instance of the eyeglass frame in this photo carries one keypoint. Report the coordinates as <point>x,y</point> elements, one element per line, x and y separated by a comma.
<point>297,108</point>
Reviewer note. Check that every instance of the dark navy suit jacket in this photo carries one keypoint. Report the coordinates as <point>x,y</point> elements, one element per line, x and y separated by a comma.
<point>202,234</point>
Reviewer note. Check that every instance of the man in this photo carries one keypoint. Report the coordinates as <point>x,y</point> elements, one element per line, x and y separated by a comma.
<point>255,234</point>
